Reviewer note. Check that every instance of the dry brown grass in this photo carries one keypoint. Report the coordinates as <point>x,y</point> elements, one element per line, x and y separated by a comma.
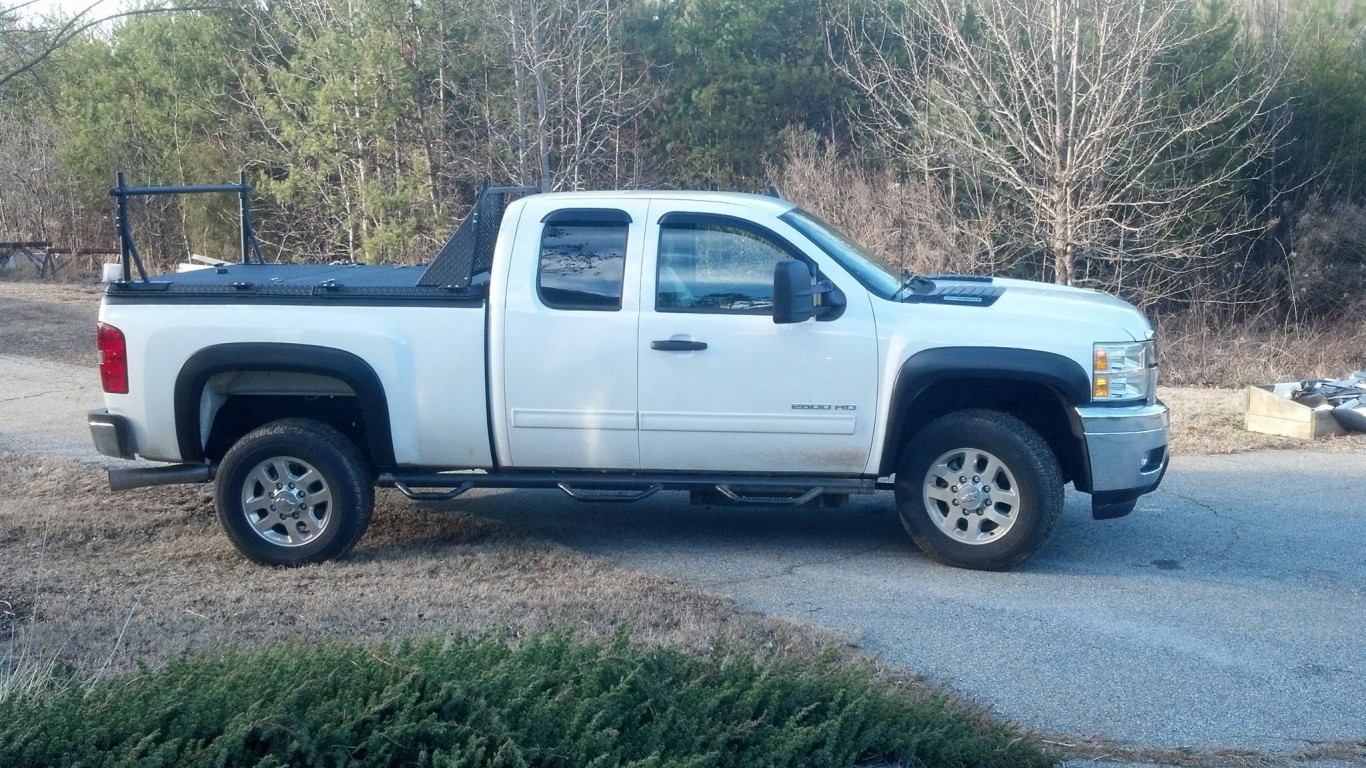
<point>1200,352</point>
<point>99,582</point>
<point>1207,420</point>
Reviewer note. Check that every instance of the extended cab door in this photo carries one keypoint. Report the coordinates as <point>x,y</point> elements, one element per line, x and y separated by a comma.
<point>723,388</point>
<point>567,336</point>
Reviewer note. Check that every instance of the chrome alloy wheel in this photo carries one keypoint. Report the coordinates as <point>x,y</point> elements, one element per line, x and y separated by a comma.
<point>286,501</point>
<point>971,495</point>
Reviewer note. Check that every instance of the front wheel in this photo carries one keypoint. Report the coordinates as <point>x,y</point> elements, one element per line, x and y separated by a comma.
<point>979,489</point>
<point>293,492</point>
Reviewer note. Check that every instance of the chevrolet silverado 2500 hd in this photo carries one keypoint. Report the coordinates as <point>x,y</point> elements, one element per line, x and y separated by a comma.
<point>615,344</point>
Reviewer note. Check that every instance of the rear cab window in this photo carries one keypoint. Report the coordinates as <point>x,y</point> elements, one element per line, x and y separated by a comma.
<point>582,260</point>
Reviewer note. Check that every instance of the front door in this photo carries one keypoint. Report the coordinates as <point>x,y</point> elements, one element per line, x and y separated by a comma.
<point>725,389</point>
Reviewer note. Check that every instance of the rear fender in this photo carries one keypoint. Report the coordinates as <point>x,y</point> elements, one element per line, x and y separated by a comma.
<point>292,358</point>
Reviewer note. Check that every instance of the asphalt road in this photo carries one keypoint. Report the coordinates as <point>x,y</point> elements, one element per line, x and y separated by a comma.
<point>1229,610</point>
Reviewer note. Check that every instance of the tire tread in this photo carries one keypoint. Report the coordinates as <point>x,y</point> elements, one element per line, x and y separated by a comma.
<point>1039,463</point>
<point>299,435</point>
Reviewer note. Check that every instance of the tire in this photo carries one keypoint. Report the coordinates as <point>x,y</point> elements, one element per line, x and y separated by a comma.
<point>294,492</point>
<point>979,489</point>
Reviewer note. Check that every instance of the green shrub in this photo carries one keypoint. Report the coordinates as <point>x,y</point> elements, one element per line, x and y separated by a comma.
<point>550,701</point>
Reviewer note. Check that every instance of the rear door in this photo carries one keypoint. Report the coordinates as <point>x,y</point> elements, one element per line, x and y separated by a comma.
<point>722,387</point>
<point>570,324</point>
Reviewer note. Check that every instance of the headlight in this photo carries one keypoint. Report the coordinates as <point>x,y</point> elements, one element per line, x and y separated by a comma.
<point>1121,371</point>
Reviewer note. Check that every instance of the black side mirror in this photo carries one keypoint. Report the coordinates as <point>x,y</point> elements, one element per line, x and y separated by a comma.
<point>793,292</point>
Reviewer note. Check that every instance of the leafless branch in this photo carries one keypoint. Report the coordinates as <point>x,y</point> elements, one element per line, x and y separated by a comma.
<point>69,30</point>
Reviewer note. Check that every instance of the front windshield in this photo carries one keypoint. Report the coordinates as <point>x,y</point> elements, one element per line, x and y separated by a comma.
<point>868,269</point>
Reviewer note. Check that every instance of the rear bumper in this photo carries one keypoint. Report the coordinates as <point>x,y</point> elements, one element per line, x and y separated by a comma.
<point>113,434</point>
<point>1126,450</point>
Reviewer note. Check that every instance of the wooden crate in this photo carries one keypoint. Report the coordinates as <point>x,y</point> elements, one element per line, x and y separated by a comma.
<point>1271,411</point>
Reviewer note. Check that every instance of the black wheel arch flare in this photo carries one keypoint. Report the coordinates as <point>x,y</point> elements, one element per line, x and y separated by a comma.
<point>924,369</point>
<point>291,358</point>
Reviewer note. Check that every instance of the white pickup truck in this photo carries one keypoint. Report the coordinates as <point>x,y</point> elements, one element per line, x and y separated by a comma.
<point>616,344</point>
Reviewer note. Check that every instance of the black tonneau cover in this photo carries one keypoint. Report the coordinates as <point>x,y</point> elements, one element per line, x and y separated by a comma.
<point>296,282</point>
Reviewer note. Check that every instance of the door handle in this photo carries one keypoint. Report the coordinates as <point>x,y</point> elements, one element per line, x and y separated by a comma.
<point>678,345</point>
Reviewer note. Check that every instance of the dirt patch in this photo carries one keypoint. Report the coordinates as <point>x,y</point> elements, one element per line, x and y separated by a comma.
<point>13,612</point>
<point>49,321</point>
<point>99,581</point>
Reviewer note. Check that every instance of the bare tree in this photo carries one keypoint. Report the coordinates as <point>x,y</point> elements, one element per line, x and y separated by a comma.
<point>906,221</point>
<point>28,171</point>
<point>1113,130</point>
<point>39,198</point>
<point>574,92</point>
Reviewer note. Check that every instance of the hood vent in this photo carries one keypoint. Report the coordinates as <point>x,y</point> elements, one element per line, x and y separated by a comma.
<point>963,291</point>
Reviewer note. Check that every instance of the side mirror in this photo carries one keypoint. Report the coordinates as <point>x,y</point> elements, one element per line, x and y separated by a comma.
<point>793,292</point>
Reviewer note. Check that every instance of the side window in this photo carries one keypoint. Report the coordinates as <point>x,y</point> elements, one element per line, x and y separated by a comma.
<point>582,265</point>
<point>715,267</point>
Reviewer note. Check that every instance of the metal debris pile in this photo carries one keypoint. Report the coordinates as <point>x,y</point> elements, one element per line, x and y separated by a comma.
<point>1346,398</point>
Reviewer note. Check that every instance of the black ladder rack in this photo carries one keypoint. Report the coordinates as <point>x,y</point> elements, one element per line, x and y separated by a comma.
<point>128,249</point>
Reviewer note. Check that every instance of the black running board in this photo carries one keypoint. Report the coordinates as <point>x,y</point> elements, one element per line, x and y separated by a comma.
<point>629,486</point>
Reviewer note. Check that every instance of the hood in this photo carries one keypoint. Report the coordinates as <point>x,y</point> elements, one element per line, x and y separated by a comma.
<point>1072,305</point>
<point>1036,303</point>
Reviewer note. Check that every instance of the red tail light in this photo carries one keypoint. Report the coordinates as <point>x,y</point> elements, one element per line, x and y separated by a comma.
<point>113,359</point>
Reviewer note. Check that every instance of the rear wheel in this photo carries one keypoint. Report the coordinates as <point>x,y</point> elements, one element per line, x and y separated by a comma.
<point>979,489</point>
<point>293,492</point>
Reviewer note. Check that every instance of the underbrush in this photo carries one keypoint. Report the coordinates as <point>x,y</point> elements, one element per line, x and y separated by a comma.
<point>549,700</point>
<point>1202,352</point>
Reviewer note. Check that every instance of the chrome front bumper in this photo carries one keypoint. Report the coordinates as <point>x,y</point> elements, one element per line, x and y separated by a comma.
<point>1126,450</point>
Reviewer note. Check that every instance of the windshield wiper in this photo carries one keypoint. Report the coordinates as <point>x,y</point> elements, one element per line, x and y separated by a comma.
<point>913,282</point>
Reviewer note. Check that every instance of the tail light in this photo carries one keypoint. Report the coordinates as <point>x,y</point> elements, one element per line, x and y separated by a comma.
<point>113,359</point>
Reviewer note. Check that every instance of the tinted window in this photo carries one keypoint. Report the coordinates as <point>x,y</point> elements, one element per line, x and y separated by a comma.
<point>582,266</point>
<point>715,268</point>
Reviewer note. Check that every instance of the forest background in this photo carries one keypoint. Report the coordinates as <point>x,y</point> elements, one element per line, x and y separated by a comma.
<point>1205,159</point>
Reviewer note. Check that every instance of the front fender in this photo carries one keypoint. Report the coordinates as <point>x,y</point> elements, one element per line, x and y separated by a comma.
<point>922,370</point>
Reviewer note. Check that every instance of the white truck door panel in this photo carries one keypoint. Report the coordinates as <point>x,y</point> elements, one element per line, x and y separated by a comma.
<point>760,397</point>
<point>569,370</point>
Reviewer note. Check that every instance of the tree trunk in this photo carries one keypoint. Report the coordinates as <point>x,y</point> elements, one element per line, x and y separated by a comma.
<point>542,105</point>
<point>519,89</point>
